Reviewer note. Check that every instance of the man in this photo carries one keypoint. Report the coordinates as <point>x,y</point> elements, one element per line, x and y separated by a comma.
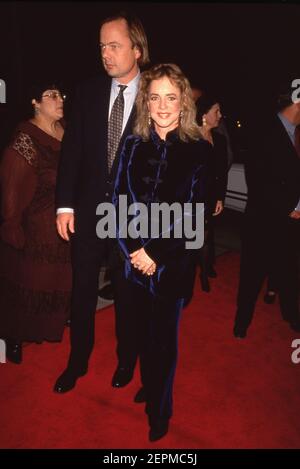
<point>271,231</point>
<point>102,118</point>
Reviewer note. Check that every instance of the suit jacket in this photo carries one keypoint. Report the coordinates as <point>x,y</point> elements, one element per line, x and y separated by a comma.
<point>162,171</point>
<point>83,180</point>
<point>272,174</point>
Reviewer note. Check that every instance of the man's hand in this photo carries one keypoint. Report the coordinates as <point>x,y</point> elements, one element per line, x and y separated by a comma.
<point>65,224</point>
<point>219,208</point>
<point>141,261</point>
<point>295,214</point>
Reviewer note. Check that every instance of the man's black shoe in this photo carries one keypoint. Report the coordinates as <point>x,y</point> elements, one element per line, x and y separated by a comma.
<point>121,377</point>
<point>66,381</point>
<point>140,396</point>
<point>106,292</point>
<point>239,332</point>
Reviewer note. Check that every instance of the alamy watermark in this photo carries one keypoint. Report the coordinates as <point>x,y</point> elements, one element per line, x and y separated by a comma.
<point>296,93</point>
<point>2,351</point>
<point>2,91</point>
<point>295,357</point>
<point>159,220</point>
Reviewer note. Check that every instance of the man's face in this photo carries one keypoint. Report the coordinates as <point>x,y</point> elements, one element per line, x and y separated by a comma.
<point>119,57</point>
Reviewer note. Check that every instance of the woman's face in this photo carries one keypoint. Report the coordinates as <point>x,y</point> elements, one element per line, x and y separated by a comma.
<point>164,105</point>
<point>213,116</point>
<point>51,105</point>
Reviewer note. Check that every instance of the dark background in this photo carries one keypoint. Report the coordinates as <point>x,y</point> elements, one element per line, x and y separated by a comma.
<point>242,52</point>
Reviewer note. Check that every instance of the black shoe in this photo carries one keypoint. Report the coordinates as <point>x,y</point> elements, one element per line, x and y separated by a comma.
<point>121,377</point>
<point>14,352</point>
<point>158,428</point>
<point>140,396</point>
<point>106,292</point>
<point>204,283</point>
<point>295,325</point>
<point>67,381</point>
<point>269,299</point>
<point>239,332</point>
<point>211,272</point>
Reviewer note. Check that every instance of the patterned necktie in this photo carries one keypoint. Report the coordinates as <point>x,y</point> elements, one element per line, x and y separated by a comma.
<point>297,140</point>
<point>115,125</point>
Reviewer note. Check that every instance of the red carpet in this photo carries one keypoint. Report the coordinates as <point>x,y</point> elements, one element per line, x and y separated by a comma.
<point>229,393</point>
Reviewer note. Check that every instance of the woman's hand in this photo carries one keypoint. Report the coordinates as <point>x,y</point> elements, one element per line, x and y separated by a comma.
<point>141,261</point>
<point>219,208</point>
<point>295,214</point>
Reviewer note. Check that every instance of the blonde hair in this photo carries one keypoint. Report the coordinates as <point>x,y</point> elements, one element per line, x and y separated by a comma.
<point>187,128</point>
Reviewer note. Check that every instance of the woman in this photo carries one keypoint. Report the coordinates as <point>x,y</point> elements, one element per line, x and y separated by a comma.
<point>35,275</point>
<point>208,118</point>
<point>164,161</point>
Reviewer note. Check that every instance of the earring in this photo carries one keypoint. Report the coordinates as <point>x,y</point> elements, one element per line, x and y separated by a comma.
<point>181,114</point>
<point>36,110</point>
<point>204,123</point>
<point>149,119</point>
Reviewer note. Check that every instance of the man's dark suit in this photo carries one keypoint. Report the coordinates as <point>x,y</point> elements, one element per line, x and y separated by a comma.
<point>269,239</point>
<point>84,182</point>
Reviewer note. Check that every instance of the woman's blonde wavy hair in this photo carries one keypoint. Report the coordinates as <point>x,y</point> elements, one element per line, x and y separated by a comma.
<point>187,128</point>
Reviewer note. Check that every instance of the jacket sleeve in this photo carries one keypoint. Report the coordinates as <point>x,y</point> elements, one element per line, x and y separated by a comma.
<point>122,191</point>
<point>70,158</point>
<point>18,181</point>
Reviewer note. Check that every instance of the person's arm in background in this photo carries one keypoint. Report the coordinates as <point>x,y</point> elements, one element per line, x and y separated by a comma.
<point>221,172</point>
<point>18,181</point>
<point>222,129</point>
<point>127,244</point>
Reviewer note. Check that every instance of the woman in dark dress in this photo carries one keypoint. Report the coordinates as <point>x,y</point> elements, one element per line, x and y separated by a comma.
<point>163,162</point>
<point>208,118</point>
<point>35,273</point>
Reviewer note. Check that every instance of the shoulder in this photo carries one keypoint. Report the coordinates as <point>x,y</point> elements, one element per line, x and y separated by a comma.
<point>201,148</point>
<point>132,140</point>
<point>220,145</point>
<point>219,138</point>
<point>23,144</point>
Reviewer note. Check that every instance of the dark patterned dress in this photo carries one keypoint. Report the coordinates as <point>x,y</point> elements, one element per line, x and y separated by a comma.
<point>35,270</point>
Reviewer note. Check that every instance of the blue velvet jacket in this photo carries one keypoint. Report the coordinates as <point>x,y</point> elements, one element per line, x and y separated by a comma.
<point>162,171</point>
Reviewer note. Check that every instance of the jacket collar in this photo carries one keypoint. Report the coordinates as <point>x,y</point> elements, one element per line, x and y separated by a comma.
<point>171,137</point>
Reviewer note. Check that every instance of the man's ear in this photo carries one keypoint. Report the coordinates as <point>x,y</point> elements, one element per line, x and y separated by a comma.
<point>137,52</point>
